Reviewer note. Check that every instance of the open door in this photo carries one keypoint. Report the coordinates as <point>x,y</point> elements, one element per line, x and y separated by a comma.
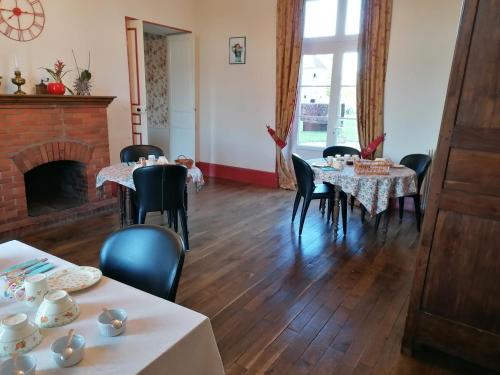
<point>135,50</point>
<point>182,96</point>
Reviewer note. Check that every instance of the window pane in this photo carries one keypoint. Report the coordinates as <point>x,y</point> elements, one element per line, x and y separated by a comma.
<point>320,18</point>
<point>313,118</point>
<point>317,70</point>
<point>347,107</point>
<point>347,133</point>
<point>349,69</point>
<point>352,17</point>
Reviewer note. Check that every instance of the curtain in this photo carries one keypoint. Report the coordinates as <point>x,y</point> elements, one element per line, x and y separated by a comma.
<point>290,25</point>
<point>372,51</point>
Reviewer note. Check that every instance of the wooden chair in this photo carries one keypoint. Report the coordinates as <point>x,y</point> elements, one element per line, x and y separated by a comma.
<point>147,257</point>
<point>308,190</point>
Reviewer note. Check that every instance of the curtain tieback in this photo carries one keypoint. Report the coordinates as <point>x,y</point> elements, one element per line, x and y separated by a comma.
<point>372,147</point>
<point>280,142</point>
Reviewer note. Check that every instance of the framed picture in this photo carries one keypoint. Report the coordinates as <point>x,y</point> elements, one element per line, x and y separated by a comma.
<point>237,50</point>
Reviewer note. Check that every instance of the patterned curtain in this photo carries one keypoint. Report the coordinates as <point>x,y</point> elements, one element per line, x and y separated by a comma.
<point>373,49</point>
<point>290,25</point>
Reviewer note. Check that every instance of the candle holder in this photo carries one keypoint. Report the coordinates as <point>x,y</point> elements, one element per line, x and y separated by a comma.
<point>18,81</point>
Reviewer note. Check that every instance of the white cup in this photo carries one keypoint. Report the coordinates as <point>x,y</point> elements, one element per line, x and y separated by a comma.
<point>162,160</point>
<point>35,288</point>
<point>152,157</point>
<point>338,156</point>
<point>347,156</point>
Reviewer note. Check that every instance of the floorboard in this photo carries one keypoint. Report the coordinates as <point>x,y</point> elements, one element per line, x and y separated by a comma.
<point>279,303</point>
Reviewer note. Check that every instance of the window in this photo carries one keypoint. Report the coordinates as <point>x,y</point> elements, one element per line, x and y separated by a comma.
<point>327,92</point>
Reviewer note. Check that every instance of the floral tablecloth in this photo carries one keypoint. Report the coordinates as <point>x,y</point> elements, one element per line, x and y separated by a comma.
<point>121,173</point>
<point>372,191</point>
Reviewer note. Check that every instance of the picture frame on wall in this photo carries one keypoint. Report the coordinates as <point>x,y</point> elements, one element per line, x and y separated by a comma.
<point>237,50</point>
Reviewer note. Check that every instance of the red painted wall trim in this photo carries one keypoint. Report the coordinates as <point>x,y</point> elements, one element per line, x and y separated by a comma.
<point>249,176</point>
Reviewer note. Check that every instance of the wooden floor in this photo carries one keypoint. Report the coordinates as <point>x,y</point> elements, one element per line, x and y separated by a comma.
<point>280,304</point>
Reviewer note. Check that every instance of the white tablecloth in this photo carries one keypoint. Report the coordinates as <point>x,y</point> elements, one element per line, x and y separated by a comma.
<point>161,337</point>
<point>122,173</point>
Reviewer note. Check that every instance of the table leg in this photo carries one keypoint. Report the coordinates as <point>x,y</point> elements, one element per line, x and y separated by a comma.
<point>128,208</point>
<point>336,210</point>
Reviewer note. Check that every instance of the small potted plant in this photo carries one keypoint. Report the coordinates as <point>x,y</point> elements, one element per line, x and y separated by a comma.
<point>57,87</point>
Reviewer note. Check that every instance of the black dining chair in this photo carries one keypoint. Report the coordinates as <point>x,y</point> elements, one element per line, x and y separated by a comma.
<point>342,150</point>
<point>147,257</point>
<point>420,164</point>
<point>133,153</point>
<point>308,190</point>
<point>162,188</point>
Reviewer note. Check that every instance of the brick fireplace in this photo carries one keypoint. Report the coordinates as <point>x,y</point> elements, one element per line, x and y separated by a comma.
<point>51,149</point>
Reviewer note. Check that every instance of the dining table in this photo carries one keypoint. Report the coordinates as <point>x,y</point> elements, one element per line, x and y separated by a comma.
<point>122,174</point>
<point>374,192</point>
<point>161,337</point>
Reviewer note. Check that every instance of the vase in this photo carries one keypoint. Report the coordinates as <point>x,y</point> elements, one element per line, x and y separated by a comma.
<point>56,88</point>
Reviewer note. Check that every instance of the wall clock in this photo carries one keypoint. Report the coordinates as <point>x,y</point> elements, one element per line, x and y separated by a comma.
<point>21,20</point>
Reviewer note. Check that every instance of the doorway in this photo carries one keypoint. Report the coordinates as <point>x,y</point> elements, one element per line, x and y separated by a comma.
<point>162,87</point>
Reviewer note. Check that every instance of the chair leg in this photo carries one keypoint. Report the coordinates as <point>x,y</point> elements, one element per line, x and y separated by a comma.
<point>377,220</point>
<point>185,233</point>
<point>418,214</point>
<point>296,206</point>
<point>305,207</point>
<point>401,207</point>
<point>140,217</point>
<point>343,204</point>
<point>363,213</point>
<point>175,214</point>
<point>352,202</point>
<point>169,217</point>
<point>322,205</point>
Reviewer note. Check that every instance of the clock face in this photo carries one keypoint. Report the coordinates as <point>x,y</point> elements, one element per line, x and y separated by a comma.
<point>21,20</point>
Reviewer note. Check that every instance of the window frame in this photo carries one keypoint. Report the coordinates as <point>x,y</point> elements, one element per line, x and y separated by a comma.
<point>337,45</point>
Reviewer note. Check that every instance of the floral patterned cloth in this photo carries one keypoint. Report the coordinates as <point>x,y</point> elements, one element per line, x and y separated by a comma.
<point>122,174</point>
<point>372,191</point>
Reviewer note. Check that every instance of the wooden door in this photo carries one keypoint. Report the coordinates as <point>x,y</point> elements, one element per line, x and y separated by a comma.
<point>137,81</point>
<point>455,302</point>
<point>182,96</point>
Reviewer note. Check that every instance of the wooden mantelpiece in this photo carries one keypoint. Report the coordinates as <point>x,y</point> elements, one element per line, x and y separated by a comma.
<point>16,101</point>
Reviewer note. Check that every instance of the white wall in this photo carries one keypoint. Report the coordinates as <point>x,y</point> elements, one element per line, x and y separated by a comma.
<point>236,101</point>
<point>98,26</point>
<point>421,48</point>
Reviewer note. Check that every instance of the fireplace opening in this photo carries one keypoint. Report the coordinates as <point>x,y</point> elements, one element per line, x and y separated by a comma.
<point>55,186</point>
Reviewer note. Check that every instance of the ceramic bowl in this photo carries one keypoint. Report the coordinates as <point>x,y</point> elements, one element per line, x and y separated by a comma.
<point>18,334</point>
<point>25,363</point>
<point>105,326</point>
<point>78,345</point>
<point>57,309</point>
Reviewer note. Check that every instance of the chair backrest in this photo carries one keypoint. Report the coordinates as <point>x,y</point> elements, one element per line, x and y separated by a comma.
<point>419,163</point>
<point>340,150</point>
<point>304,175</point>
<point>175,178</point>
<point>148,183</point>
<point>134,152</point>
<point>160,187</point>
<point>147,257</point>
